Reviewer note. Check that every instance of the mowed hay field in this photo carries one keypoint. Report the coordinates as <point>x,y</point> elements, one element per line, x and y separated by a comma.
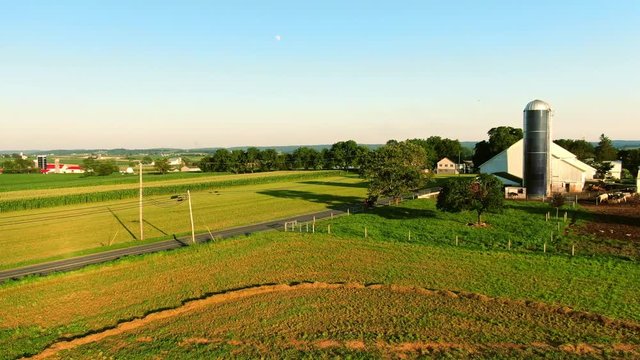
<point>45,234</point>
<point>36,313</point>
<point>38,186</point>
<point>326,320</point>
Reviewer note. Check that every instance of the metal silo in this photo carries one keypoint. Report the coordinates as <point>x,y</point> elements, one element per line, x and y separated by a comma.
<point>537,146</point>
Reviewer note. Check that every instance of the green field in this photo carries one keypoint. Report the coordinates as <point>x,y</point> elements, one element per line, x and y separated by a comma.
<point>36,312</point>
<point>498,293</point>
<point>31,182</point>
<point>358,321</point>
<point>45,234</point>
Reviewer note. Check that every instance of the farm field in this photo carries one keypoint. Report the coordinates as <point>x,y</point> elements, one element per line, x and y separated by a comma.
<point>37,312</point>
<point>521,226</point>
<point>45,234</point>
<point>30,182</point>
<point>321,319</point>
<point>156,181</point>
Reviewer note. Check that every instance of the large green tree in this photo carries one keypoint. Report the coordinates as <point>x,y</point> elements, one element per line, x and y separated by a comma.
<point>631,160</point>
<point>582,149</point>
<point>344,154</point>
<point>162,165</point>
<point>92,166</point>
<point>438,148</point>
<point>500,138</point>
<point>480,194</point>
<point>395,169</point>
<point>605,150</point>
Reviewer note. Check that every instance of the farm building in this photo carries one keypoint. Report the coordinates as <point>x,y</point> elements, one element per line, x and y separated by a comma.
<point>568,174</point>
<point>446,166</point>
<point>190,169</point>
<point>59,168</point>
<point>616,170</point>
<point>177,161</point>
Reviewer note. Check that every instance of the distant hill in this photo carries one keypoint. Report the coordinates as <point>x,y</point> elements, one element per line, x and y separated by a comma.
<point>620,144</point>
<point>625,144</point>
<point>173,151</point>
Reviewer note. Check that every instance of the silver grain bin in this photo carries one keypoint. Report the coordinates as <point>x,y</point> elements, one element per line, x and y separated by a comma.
<point>537,149</point>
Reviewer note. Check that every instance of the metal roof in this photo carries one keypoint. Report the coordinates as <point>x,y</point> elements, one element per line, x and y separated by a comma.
<point>537,105</point>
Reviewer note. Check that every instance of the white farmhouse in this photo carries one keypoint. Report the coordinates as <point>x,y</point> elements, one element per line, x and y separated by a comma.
<point>568,174</point>
<point>446,166</point>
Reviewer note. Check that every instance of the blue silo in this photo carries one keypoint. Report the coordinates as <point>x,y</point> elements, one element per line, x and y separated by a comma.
<point>537,149</point>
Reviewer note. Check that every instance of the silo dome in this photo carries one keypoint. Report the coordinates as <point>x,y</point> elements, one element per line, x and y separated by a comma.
<point>537,105</point>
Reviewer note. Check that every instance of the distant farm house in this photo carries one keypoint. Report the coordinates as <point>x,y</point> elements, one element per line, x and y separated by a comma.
<point>446,166</point>
<point>190,169</point>
<point>568,174</point>
<point>177,162</point>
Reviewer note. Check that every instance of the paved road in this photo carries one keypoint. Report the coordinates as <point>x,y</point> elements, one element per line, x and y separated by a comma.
<point>81,261</point>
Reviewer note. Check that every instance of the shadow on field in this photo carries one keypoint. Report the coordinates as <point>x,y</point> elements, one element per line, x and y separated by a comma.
<point>335,202</point>
<point>402,213</point>
<point>133,236</point>
<point>155,227</point>
<point>362,185</point>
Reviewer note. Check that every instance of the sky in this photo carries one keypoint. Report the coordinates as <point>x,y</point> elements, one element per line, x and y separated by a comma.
<point>191,74</point>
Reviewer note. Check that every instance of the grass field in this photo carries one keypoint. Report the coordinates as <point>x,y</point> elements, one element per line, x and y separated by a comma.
<point>319,319</point>
<point>37,312</point>
<point>45,234</point>
<point>158,181</point>
<point>525,303</point>
<point>31,182</point>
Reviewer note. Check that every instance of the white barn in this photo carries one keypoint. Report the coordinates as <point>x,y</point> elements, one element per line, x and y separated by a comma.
<point>568,174</point>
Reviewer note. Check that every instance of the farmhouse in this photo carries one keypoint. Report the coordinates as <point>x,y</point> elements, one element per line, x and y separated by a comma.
<point>568,174</point>
<point>446,166</point>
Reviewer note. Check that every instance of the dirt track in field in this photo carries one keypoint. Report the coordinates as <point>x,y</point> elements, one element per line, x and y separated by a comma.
<point>580,348</point>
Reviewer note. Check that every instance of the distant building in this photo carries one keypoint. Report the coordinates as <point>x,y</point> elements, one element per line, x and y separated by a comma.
<point>42,161</point>
<point>190,169</point>
<point>446,166</point>
<point>568,174</point>
<point>616,170</point>
<point>59,168</point>
<point>175,161</point>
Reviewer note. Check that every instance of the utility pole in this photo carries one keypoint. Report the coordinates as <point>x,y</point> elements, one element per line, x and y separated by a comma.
<point>141,223</point>
<point>193,232</point>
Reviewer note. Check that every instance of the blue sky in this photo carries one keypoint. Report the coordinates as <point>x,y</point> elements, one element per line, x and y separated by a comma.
<point>96,74</point>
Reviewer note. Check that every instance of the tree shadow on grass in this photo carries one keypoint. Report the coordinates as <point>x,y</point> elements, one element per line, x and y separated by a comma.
<point>334,202</point>
<point>362,185</point>
<point>402,213</point>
